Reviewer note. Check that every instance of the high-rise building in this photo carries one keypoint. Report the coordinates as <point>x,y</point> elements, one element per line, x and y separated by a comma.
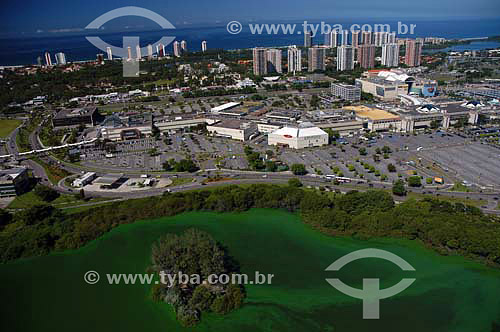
<point>294,59</point>
<point>177,49</point>
<point>345,37</point>
<point>378,38</point>
<point>390,55</point>
<point>391,38</point>
<point>39,61</point>
<point>413,53</point>
<point>138,54</point>
<point>307,39</point>
<point>327,39</point>
<point>366,37</point>
<point>366,56</point>
<point>355,35</point>
<point>150,51</point>
<point>129,53</point>
<point>259,61</point>
<point>204,46</point>
<point>316,59</point>
<point>274,61</point>
<point>184,47</point>
<point>60,58</point>
<point>160,50</point>
<point>109,53</point>
<point>345,58</point>
<point>334,38</point>
<point>48,59</point>
<point>100,58</point>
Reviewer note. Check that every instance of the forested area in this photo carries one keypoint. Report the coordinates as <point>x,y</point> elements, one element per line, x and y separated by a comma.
<point>196,254</point>
<point>446,227</point>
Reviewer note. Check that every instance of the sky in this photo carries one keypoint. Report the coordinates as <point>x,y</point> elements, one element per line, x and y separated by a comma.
<point>60,15</point>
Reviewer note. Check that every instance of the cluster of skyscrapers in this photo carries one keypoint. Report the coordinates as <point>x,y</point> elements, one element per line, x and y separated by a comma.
<point>267,61</point>
<point>60,59</point>
<point>178,47</point>
<point>352,47</point>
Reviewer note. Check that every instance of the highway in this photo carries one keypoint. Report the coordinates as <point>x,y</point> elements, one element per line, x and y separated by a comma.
<point>231,177</point>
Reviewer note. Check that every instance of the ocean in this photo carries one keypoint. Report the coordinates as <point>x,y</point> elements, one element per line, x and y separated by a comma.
<point>25,50</point>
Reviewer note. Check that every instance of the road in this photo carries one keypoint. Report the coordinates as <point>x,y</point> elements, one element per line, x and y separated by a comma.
<point>236,177</point>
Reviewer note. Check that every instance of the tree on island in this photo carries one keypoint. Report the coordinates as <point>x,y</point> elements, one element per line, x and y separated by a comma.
<point>195,253</point>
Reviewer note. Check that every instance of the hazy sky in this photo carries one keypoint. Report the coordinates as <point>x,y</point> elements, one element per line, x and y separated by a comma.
<point>29,16</point>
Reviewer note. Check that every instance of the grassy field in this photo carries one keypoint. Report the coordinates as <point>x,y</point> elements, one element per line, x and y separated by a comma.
<point>473,202</point>
<point>30,199</point>
<point>460,188</point>
<point>7,126</point>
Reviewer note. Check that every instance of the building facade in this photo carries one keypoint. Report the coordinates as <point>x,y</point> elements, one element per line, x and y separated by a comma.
<point>345,58</point>
<point>346,92</point>
<point>390,55</point>
<point>366,56</point>
<point>259,61</point>
<point>413,53</point>
<point>294,59</point>
<point>316,59</point>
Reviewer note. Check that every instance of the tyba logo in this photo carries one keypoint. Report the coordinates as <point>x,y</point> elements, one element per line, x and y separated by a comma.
<point>130,65</point>
<point>371,294</point>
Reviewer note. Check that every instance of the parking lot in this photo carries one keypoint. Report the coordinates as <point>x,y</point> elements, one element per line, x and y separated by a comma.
<point>447,156</point>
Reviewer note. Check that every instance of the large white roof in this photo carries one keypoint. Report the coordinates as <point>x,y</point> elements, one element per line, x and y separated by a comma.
<point>299,132</point>
<point>392,76</point>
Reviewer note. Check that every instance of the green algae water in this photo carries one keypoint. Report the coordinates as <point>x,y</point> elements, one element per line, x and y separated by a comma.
<point>449,294</point>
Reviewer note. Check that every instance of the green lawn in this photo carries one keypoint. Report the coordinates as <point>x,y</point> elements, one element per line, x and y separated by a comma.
<point>7,126</point>
<point>180,181</point>
<point>460,187</point>
<point>30,199</point>
<point>473,202</point>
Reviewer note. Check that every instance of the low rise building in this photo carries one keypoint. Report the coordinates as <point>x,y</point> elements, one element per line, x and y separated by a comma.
<point>13,181</point>
<point>301,136</point>
<point>127,127</point>
<point>381,88</point>
<point>84,180</point>
<point>177,123</point>
<point>234,129</point>
<point>346,92</point>
<point>224,107</point>
<point>376,119</point>
<point>88,116</point>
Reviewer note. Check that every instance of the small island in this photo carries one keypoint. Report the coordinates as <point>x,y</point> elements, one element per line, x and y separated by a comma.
<point>196,254</point>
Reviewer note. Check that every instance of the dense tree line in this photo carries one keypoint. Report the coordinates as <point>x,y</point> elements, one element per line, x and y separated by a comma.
<point>446,227</point>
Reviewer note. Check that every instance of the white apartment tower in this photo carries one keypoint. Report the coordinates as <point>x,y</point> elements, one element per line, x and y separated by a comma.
<point>390,55</point>
<point>345,58</point>
<point>109,53</point>
<point>138,54</point>
<point>294,59</point>
<point>60,58</point>
<point>184,47</point>
<point>274,61</point>
<point>334,38</point>
<point>177,49</point>
<point>345,37</point>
